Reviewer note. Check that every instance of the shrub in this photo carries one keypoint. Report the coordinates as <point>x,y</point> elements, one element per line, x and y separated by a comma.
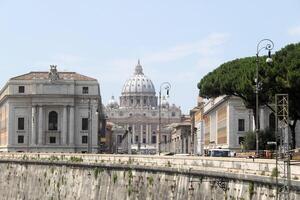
<point>76,159</point>
<point>115,178</point>
<point>275,172</point>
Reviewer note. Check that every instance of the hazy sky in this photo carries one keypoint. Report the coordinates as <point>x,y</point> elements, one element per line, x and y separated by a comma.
<point>178,41</point>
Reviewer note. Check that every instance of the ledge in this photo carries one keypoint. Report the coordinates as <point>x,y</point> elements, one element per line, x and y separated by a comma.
<point>169,170</point>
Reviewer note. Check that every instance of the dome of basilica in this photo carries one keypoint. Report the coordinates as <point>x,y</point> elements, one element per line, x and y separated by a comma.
<point>138,91</point>
<point>112,103</point>
<point>138,84</point>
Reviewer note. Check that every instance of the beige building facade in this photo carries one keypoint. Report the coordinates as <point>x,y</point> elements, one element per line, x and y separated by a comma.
<point>226,120</point>
<point>50,112</point>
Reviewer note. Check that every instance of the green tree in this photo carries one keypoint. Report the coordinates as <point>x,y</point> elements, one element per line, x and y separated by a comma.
<point>250,141</point>
<point>265,136</point>
<point>287,70</point>
<point>237,78</point>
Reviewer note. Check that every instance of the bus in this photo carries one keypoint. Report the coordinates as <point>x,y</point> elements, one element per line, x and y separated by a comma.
<point>219,153</point>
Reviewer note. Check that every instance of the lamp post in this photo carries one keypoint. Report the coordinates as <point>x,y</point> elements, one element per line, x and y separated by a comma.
<point>267,45</point>
<point>166,86</point>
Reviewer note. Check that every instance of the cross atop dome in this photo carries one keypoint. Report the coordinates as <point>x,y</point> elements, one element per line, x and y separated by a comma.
<point>138,69</point>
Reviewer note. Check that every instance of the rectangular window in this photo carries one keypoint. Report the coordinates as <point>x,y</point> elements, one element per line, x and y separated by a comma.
<point>85,90</point>
<point>21,123</point>
<point>136,138</point>
<point>52,140</point>
<point>84,139</point>
<point>165,139</point>
<point>241,125</point>
<point>85,124</point>
<point>144,140</point>
<point>153,139</point>
<point>21,89</point>
<point>20,139</point>
<point>119,139</point>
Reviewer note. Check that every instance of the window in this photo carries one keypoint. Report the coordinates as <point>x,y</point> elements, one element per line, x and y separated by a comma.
<point>241,125</point>
<point>84,139</point>
<point>53,119</point>
<point>21,89</point>
<point>165,139</point>
<point>144,140</point>
<point>52,140</point>
<point>119,139</point>
<point>85,124</point>
<point>20,139</point>
<point>153,139</point>
<point>272,121</point>
<point>136,138</point>
<point>21,123</point>
<point>173,114</point>
<point>85,90</point>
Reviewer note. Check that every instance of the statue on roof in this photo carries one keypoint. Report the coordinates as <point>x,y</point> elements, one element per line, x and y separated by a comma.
<point>53,74</point>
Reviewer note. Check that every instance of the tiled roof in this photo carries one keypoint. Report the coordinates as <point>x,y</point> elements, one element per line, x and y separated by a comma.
<point>45,75</point>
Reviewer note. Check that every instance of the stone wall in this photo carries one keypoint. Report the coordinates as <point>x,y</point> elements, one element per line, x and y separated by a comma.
<point>53,176</point>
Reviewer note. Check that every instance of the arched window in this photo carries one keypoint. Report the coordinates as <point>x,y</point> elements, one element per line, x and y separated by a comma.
<point>53,119</point>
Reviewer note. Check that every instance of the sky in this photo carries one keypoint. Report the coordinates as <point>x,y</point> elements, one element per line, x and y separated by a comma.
<point>176,41</point>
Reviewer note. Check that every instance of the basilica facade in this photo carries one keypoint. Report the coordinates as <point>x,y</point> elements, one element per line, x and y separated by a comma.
<point>138,113</point>
<point>50,112</point>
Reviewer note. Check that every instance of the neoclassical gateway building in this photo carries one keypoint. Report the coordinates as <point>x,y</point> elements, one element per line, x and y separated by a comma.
<point>50,112</point>
<point>138,112</point>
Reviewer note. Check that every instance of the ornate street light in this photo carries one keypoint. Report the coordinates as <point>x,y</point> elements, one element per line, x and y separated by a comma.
<point>267,45</point>
<point>167,87</point>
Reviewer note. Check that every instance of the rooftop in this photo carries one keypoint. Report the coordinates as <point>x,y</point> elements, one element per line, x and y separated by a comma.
<point>45,75</point>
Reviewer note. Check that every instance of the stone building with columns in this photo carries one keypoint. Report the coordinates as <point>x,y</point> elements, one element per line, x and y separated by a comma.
<point>138,112</point>
<point>50,112</point>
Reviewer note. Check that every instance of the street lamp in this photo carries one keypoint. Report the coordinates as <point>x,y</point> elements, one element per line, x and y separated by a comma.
<point>166,86</point>
<point>267,45</point>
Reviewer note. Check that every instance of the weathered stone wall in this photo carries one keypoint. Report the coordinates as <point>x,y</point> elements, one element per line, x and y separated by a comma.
<point>259,167</point>
<point>59,177</point>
